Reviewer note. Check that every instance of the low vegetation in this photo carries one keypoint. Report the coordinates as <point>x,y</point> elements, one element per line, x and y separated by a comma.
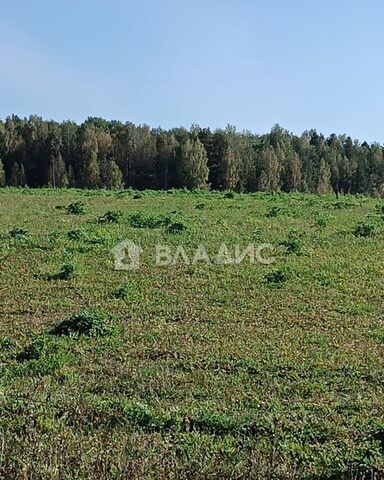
<point>190,370</point>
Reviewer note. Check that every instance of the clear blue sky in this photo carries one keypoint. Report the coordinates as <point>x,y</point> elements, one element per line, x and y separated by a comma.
<point>252,63</point>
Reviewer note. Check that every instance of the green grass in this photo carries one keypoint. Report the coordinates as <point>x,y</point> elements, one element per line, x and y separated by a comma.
<point>192,371</point>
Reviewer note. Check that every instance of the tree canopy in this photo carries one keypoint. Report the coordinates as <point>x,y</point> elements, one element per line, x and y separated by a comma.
<point>111,154</point>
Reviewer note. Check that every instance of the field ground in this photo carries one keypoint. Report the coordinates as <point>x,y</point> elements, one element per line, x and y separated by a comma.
<point>190,371</point>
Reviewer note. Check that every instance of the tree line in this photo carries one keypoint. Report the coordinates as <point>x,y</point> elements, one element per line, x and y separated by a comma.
<point>113,155</point>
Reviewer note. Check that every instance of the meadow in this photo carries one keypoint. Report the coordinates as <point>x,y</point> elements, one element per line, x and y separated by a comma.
<point>190,371</point>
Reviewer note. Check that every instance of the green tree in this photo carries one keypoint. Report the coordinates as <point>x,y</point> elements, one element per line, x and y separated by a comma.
<point>324,182</point>
<point>263,182</point>
<point>231,166</point>
<point>89,165</point>
<point>22,177</point>
<point>193,164</point>
<point>294,174</point>
<point>18,178</point>
<point>92,171</point>
<point>2,174</point>
<point>166,154</point>
<point>231,161</point>
<point>111,175</point>
<point>270,177</point>
<point>57,173</point>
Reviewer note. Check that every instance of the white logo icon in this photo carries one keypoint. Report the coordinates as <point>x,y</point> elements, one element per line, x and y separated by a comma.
<point>127,255</point>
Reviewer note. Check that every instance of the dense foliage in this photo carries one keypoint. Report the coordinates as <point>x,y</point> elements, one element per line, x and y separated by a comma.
<point>112,154</point>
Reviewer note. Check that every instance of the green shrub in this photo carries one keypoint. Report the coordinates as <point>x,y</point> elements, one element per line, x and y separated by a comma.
<point>176,226</point>
<point>276,278</point>
<point>342,205</point>
<point>38,348</point>
<point>112,216</point>
<point>275,211</point>
<point>380,210</point>
<point>44,356</point>
<point>143,220</point>
<point>19,233</point>
<point>76,234</point>
<point>365,229</point>
<point>66,272</point>
<point>124,291</point>
<point>88,322</point>
<point>146,220</point>
<point>294,243</point>
<point>97,239</point>
<point>54,236</point>
<point>140,414</point>
<point>229,195</point>
<point>76,208</point>
<point>324,279</point>
<point>215,424</point>
<point>322,220</point>
<point>145,417</point>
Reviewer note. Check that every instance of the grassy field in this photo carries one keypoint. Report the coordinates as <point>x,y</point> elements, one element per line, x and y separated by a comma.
<point>195,371</point>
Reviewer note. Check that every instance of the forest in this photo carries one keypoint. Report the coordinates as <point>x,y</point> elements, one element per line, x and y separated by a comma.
<point>110,154</point>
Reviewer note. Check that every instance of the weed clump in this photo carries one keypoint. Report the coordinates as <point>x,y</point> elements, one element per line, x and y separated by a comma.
<point>229,195</point>
<point>124,291</point>
<point>380,210</point>
<point>90,323</point>
<point>275,211</point>
<point>112,216</point>
<point>66,272</point>
<point>276,278</point>
<point>176,226</point>
<point>140,414</point>
<point>76,208</point>
<point>44,356</point>
<point>171,221</point>
<point>37,349</point>
<point>143,220</point>
<point>19,233</point>
<point>365,229</point>
<point>215,424</point>
<point>76,234</point>
<point>146,418</point>
<point>322,221</point>
<point>294,243</point>
<point>342,205</point>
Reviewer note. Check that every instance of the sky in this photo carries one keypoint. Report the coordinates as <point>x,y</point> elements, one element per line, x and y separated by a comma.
<point>250,63</point>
